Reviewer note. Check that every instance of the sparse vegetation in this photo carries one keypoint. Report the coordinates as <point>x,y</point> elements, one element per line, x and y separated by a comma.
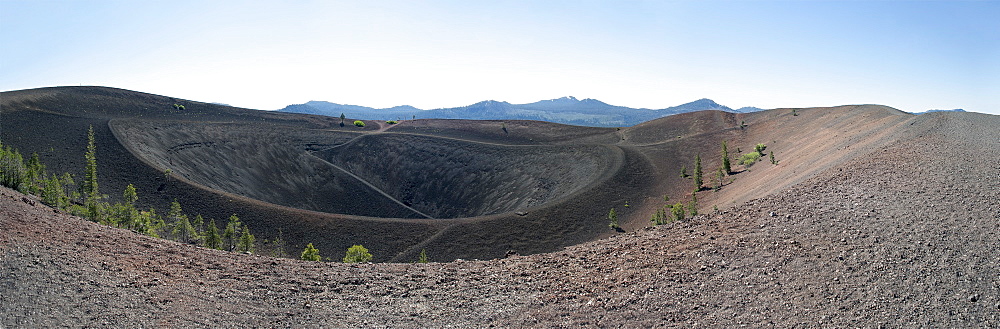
<point>357,254</point>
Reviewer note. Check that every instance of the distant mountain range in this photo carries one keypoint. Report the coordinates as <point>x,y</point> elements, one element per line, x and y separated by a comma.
<point>566,110</point>
<point>932,111</point>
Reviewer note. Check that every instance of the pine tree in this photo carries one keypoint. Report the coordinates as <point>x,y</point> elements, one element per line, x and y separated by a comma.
<point>718,179</point>
<point>125,213</point>
<point>423,256</point>
<point>613,217</point>
<point>659,217</point>
<point>693,206</point>
<point>53,193</point>
<point>150,223</point>
<point>130,196</point>
<point>90,189</point>
<point>229,235</point>
<point>199,224</point>
<point>310,254</point>
<point>278,245</point>
<point>13,173</point>
<point>246,242</point>
<point>35,172</point>
<point>771,155</point>
<point>697,172</point>
<point>184,231</point>
<point>71,194</point>
<point>725,159</point>
<point>212,238</point>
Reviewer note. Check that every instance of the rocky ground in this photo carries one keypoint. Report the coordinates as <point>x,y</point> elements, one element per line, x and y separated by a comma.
<point>905,236</point>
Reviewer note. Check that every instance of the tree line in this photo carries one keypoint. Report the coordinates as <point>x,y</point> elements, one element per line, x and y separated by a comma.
<point>84,199</point>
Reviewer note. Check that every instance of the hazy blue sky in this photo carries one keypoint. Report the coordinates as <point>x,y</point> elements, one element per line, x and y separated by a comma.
<point>912,55</point>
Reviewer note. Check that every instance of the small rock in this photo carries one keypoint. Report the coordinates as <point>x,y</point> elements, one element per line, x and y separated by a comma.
<point>773,214</point>
<point>974,298</point>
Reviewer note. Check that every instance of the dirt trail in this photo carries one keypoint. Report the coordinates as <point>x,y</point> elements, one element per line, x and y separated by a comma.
<point>370,185</point>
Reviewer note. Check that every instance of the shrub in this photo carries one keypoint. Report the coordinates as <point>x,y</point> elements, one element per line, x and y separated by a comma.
<point>310,254</point>
<point>749,159</point>
<point>359,123</point>
<point>392,122</point>
<point>357,254</point>
<point>760,148</point>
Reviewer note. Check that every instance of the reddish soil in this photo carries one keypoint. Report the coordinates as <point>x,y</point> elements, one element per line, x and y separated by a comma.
<point>872,218</point>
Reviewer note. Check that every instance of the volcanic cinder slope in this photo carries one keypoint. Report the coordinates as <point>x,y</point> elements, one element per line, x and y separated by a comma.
<point>872,217</point>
